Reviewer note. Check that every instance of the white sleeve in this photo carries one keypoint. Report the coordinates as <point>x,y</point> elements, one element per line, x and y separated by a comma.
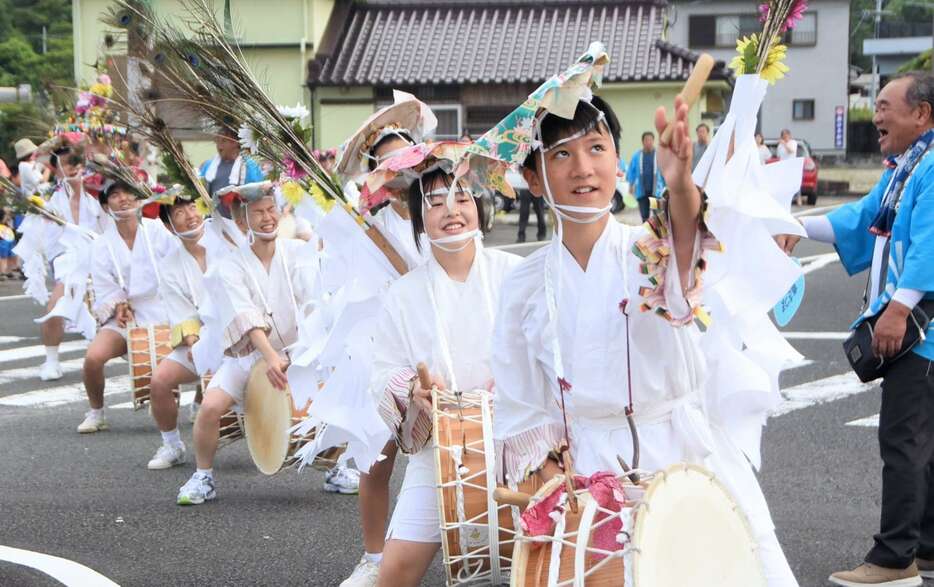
<point>525,431</point>
<point>239,314</point>
<point>108,292</point>
<point>819,229</point>
<point>183,315</point>
<point>907,297</point>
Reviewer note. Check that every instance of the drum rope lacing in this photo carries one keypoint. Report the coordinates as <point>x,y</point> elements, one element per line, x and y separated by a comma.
<point>456,452</point>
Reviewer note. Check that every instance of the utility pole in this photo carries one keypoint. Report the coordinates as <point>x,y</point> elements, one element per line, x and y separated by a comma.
<point>875,65</point>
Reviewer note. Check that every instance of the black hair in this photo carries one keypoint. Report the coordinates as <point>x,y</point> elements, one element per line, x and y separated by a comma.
<point>371,161</point>
<point>166,209</point>
<point>555,128</point>
<point>647,133</point>
<point>66,153</point>
<point>104,194</point>
<point>703,124</point>
<point>14,169</point>
<point>415,202</point>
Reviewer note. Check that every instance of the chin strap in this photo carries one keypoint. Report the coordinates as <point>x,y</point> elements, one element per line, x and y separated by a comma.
<point>252,235</point>
<point>190,235</point>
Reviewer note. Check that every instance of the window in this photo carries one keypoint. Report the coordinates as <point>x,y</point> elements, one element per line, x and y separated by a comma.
<point>802,110</point>
<point>450,121</point>
<point>805,33</point>
<point>722,30</point>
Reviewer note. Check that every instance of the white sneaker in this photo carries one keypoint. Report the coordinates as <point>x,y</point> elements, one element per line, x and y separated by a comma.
<point>193,411</point>
<point>341,479</point>
<point>50,371</point>
<point>198,489</point>
<point>365,574</point>
<point>167,457</point>
<point>93,423</point>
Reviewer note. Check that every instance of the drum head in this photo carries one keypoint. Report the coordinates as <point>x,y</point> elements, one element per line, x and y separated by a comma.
<point>267,417</point>
<point>688,511</point>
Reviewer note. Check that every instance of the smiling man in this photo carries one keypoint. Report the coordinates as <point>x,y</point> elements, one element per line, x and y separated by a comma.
<point>891,233</point>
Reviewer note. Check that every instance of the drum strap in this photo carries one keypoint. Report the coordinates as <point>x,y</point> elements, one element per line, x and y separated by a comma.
<point>439,326</point>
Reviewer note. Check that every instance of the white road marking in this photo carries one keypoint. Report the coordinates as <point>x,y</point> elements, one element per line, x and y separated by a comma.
<point>67,572</point>
<point>820,261</point>
<point>815,335</point>
<point>31,352</point>
<point>12,298</point>
<point>70,366</point>
<point>521,245</point>
<point>870,422</point>
<point>11,339</point>
<point>815,211</point>
<point>187,398</point>
<point>821,391</point>
<point>63,394</point>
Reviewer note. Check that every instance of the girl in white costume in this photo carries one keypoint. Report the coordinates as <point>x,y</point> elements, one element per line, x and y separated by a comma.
<point>441,314</point>
<point>125,274</point>
<point>266,285</point>
<point>603,296</point>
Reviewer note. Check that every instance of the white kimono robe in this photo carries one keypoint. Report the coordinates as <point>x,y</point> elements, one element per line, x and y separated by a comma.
<point>407,334</point>
<point>119,274</point>
<point>273,300</point>
<point>668,372</point>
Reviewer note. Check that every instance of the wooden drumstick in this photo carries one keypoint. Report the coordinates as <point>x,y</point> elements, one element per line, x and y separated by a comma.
<point>510,497</point>
<point>424,377</point>
<point>691,90</point>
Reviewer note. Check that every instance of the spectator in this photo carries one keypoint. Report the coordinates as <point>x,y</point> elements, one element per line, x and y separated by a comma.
<point>787,147</point>
<point>703,139</point>
<point>644,179</point>
<point>7,238</point>
<point>764,152</point>
<point>526,199</point>
<point>32,173</point>
<point>229,167</point>
<point>889,233</point>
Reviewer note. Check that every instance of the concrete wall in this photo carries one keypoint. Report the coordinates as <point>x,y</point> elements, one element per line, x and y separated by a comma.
<point>818,72</point>
<point>339,112</point>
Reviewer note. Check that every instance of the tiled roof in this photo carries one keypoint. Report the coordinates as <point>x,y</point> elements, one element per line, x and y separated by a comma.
<point>414,42</point>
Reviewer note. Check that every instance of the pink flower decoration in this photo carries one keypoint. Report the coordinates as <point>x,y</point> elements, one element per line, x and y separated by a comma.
<point>408,158</point>
<point>292,169</point>
<point>795,15</point>
<point>104,79</point>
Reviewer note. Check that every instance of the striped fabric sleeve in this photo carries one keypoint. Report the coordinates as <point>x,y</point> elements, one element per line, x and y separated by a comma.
<point>411,427</point>
<point>523,454</point>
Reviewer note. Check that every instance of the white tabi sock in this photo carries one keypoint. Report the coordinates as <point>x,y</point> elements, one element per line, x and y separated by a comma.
<point>97,412</point>
<point>206,472</point>
<point>373,558</point>
<point>51,354</point>
<point>171,438</point>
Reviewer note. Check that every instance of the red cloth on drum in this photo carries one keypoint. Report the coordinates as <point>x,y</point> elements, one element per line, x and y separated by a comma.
<point>604,487</point>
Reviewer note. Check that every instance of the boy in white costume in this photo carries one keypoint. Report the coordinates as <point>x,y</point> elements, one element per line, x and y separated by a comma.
<point>570,314</point>
<point>185,293</point>
<point>440,313</point>
<point>266,284</point>
<point>125,266</point>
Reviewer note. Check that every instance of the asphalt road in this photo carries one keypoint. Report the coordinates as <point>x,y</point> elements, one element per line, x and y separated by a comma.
<point>91,499</point>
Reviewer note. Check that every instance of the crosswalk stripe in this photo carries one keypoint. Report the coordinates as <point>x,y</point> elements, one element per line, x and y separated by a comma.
<point>187,398</point>
<point>70,366</point>
<point>870,422</point>
<point>63,394</point>
<point>31,352</point>
<point>11,339</point>
<point>821,391</point>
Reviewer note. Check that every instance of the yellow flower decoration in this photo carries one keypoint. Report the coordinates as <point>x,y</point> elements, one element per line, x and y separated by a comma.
<point>317,194</point>
<point>102,90</point>
<point>292,192</point>
<point>36,201</point>
<point>775,69</point>
<point>203,207</point>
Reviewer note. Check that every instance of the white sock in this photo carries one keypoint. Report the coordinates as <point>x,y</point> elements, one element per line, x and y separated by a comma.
<point>206,472</point>
<point>51,354</point>
<point>373,558</point>
<point>97,412</point>
<point>171,438</point>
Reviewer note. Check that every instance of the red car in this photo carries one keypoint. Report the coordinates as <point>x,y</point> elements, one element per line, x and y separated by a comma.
<point>809,177</point>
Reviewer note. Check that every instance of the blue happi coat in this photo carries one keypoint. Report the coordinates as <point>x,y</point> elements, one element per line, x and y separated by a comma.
<point>911,253</point>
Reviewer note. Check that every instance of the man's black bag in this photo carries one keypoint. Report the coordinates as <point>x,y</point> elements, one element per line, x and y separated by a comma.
<point>858,346</point>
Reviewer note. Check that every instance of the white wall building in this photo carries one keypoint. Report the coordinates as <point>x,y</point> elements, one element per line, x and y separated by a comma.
<point>812,99</point>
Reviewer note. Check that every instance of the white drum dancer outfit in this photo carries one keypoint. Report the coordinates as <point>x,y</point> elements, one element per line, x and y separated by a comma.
<point>429,317</point>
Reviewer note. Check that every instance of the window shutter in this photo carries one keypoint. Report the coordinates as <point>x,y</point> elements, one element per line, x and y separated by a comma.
<point>702,30</point>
